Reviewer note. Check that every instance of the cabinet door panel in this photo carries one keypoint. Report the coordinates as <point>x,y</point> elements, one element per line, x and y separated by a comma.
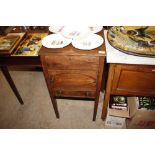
<point>73,80</point>
<point>132,78</point>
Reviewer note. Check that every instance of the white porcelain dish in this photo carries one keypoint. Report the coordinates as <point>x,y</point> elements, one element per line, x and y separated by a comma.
<point>55,41</point>
<point>91,42</point>
<point>96,29</point>
<point>75,32</point>
<point>56,29</point>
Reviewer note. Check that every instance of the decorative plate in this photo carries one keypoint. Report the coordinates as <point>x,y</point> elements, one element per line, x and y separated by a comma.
<point>91,42</point>
<point>75,32</point>
<point>135,40</point>
<point>56,29</point>
<point>55,41</point>
<point>96,29</point>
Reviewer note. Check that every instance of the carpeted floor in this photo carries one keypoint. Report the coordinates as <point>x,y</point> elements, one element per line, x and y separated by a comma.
<point>37,112</point>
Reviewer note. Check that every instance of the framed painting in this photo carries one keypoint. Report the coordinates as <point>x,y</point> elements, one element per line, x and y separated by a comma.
<point>7,42</point>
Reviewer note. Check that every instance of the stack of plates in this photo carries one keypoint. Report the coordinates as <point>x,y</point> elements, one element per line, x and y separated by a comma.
<point>81,37</point>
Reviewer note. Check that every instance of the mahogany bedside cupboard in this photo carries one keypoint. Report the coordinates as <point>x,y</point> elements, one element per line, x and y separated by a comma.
<point>70,72</point>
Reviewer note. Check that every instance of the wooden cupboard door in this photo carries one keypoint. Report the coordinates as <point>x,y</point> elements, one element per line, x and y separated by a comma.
<point>73,80</point>
<point>130,79</point>
<point>72,62</point>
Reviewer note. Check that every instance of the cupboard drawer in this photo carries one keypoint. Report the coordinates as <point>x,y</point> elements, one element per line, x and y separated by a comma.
<point>134,79</point>
<point>72,62</point>
<point>73,80</point>
<point>77,94</point>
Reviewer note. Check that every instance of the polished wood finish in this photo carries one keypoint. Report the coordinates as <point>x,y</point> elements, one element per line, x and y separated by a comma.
<point>70,72</point>
<point>129,80</point>
<point>12,85</point>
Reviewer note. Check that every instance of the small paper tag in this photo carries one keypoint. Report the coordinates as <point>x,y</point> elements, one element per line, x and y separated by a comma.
<point>101,52</point>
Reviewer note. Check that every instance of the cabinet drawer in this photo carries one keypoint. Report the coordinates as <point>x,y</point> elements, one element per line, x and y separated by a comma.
<point>73,80</point>
<point>75,94</point>
<point>72,62</point>
<point>134,79</point>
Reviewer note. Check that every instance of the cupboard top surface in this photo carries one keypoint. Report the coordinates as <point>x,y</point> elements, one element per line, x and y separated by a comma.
<point>70,50</point>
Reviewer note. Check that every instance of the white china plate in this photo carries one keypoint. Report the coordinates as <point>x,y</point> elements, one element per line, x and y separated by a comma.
<point>96,29</point>
<point>56,29</point>
<point>55,41</point>
<point>75,32</point>
<point>91,42</point>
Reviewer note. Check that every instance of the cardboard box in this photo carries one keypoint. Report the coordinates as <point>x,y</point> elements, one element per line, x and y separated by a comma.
<point>143,119</point>
<point>133,117</point>
<point>130,112</point>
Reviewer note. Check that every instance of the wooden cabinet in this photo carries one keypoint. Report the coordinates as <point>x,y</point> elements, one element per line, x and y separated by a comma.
<point>130,80</point>
<point>138,79</point>
<point>70,72</point>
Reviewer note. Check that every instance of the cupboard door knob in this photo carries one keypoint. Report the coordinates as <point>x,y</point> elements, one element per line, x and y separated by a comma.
<point>48,65</point>
<point>94,81</point>
<point>52,79</point>
<point>88,94</point>
<point>59,92</point>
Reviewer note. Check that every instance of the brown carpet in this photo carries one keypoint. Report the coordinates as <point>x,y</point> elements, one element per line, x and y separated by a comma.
<point>37,112</point>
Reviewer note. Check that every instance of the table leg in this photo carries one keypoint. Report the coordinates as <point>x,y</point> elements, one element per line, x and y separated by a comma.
<point>10,81</point>
<point>48,83</point>
<point>53,99</point>
<point>55,106</point>
<point>99,82</point>
<point>95,108</point>
<point>107,91</point>
<point>105,105</point>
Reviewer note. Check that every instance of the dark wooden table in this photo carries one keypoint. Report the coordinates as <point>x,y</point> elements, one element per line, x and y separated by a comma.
<point>8,60</point>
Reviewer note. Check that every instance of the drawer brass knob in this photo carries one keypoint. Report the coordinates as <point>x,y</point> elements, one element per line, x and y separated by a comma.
<point>88,94</point>
<point>59,92</point>
<point>52,78</point>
